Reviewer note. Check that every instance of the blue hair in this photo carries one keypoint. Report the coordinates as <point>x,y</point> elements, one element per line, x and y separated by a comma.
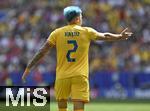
<point>71,12</point>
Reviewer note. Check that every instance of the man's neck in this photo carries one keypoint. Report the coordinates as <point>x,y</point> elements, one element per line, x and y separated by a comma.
<point>74,23</point>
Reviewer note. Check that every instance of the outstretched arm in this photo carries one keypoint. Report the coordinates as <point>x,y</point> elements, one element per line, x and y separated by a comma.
<point>114,37</point>
<point>38,56</point>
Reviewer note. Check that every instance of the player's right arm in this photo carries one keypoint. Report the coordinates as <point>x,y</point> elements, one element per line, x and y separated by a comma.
<point>124,35</point>
<point>94,35</point>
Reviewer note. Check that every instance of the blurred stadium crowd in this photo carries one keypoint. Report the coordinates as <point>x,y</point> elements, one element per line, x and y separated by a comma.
<point>26,24</point>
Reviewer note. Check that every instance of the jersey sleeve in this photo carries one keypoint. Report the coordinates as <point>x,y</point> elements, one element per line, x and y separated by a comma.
<point>93,34</point>
<point>52,38</point>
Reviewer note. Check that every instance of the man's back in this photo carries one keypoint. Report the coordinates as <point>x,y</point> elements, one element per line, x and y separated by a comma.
<point>72,45</point>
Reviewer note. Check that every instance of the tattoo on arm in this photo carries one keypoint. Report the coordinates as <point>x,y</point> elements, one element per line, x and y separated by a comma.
<point>39,55</point>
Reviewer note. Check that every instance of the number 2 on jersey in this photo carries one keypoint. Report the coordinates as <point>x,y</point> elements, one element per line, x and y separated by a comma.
<point>75,46</point>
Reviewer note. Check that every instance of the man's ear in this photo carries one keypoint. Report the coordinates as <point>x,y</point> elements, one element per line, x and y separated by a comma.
<point>77,19</point>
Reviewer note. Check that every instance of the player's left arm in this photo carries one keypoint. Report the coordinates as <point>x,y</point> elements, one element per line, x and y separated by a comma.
<point>37,57</point>
<point>124,35</point>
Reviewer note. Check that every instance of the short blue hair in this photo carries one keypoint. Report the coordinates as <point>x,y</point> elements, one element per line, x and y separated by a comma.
<point>71,12</point>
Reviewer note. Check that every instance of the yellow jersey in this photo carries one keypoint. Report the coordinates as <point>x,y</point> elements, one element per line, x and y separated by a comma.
<point>72,45</point>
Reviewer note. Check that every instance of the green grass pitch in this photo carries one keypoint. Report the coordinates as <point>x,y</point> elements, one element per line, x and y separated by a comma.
<point>93,106</point>
<point>110,107</point>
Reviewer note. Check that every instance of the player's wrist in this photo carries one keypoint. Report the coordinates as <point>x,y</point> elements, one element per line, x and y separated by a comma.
<point>120,36</point>
<point>27,70</point>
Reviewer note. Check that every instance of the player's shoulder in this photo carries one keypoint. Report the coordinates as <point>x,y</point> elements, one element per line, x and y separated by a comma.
<point>58,29</point>
<point>85,29</point>
<point>81,28</point>
<point>88,28</point>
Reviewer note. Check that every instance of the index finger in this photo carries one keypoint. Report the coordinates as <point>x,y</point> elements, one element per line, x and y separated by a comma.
<point>124,30</point>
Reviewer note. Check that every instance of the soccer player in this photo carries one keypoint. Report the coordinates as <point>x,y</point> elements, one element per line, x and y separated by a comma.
<point>72,45</point>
